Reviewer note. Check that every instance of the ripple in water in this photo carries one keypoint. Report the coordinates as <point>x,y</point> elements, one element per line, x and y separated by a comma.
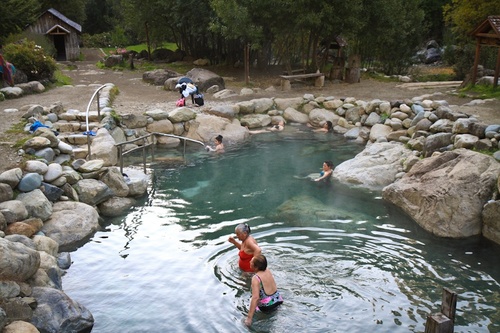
<point>344,262</point>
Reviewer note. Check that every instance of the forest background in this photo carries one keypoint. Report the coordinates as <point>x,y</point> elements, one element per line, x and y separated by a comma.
<point>386,34</point>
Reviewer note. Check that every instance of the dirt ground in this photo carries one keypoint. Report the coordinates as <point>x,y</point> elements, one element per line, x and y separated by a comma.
<point>135,96</point>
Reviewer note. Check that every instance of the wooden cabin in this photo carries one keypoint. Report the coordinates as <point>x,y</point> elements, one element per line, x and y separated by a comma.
<point>63,32</point>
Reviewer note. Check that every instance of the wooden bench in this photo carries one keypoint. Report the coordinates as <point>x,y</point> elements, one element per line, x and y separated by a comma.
<point>294,71</point>
<point>286,79</point>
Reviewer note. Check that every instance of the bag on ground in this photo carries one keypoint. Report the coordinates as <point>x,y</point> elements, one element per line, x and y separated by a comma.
<point>180,102</point>
<point>198,99</point>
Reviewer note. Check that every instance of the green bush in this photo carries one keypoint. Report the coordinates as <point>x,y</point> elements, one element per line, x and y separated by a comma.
<point>30,59</point>
<point>42,40</point>
<point>97,40</point>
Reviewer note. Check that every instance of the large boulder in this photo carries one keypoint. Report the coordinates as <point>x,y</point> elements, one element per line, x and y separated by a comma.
<point>103,147</point>
<point>20,326</point>
<point>56,312</point>
<point>205,79</point>
<point>491,221</point>
<point>159,76</point>
<point>206,127</point>
<point>71,224</point>
<point>17,261</point>
<point>306,210</point>
<point>92,191</point>
<point>137,181</point>
<point>36,204</point>
<point>445,194</point>
<point>375,167</point>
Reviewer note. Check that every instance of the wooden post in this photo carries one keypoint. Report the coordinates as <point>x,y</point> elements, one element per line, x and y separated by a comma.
<point>320,80</point>
<point>476,62</point>
<point>286,85</point>
<point>147,40</point>
<point>497,70</point>
<point>337,71</point>
<point>438,323</point>
<point>247,64</point>
<point>443,322</point>
<point>449,303</point>
<point>353,74</point>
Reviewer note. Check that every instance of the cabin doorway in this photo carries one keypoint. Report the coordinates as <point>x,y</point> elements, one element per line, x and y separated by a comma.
<point>60,46</point>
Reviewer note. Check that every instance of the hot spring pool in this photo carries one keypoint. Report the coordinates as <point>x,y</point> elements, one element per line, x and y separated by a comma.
<point>167,265</point>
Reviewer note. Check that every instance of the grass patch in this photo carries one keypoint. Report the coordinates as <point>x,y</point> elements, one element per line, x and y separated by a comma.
<point>138,48</point>
<point>20,143</point>
<point>379,77</point>
<point>480,91</point>
<point>61,79</point>
<point>16,134</point>
<point>424,73</point>
<point>17,128</point>
<point>434,77</point>
<point>113,93</point>
<point>116,117</point>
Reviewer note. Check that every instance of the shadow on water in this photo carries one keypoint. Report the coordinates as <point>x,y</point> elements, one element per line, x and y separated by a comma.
<point>344,259</point>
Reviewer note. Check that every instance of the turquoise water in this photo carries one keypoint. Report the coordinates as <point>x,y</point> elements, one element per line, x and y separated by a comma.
<point>343,259</point>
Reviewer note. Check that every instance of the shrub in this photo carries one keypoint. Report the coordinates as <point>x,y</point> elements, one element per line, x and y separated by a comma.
<point>42,40</point>
<point>97,40</point>
<point>30,59</point>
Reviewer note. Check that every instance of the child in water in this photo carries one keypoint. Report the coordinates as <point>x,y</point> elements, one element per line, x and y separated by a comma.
<point>219,146</point>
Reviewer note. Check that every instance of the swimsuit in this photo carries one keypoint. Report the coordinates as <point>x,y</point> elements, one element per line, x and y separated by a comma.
<point>267,302</point>
<point>244,261</point>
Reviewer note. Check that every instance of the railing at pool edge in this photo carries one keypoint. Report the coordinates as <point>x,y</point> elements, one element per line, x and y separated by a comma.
<point>149,143</point>
<point>88,132</point>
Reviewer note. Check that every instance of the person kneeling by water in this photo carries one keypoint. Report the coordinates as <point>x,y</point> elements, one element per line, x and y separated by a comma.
<point>265,294</point>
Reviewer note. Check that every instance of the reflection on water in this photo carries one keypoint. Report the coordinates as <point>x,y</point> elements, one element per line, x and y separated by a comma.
<point>343,259</point>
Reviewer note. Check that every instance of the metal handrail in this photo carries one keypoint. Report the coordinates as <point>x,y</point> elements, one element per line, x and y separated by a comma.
<point>96,93</point>
<point>146,144</point>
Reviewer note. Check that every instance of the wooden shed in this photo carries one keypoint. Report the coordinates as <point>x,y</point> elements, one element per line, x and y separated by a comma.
<point>64,33</point>
<point>487,34</point>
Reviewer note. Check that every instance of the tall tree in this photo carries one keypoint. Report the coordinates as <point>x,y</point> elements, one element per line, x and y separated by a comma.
<point>15,15</point>
<point>434,18</point>
<point>392,32</point>
<point>100,16</point>
<point>464,15</point>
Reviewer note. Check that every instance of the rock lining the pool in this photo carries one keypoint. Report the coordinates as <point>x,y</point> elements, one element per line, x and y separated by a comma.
<point>421,153</point>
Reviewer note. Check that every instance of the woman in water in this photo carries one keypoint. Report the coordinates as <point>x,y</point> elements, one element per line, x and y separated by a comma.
<point>327,127</point>
<point>219,146</point>
<point>327,171</point>
<point>248,246</point>
<point>265,294</point>
<point>279,127</point>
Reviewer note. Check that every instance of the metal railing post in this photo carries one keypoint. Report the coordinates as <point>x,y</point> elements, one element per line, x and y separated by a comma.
<point>146,144</point>
<point>96,93</point>
<point>88,146</point>
<point>120,158</point>
<point>98,105</point>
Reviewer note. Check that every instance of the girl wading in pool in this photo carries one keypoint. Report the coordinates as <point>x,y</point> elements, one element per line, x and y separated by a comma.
<point>265,294</point>
<point>219,146</point>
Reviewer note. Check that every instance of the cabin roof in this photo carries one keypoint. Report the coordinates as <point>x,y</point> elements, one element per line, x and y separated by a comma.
<point>63,18</point>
